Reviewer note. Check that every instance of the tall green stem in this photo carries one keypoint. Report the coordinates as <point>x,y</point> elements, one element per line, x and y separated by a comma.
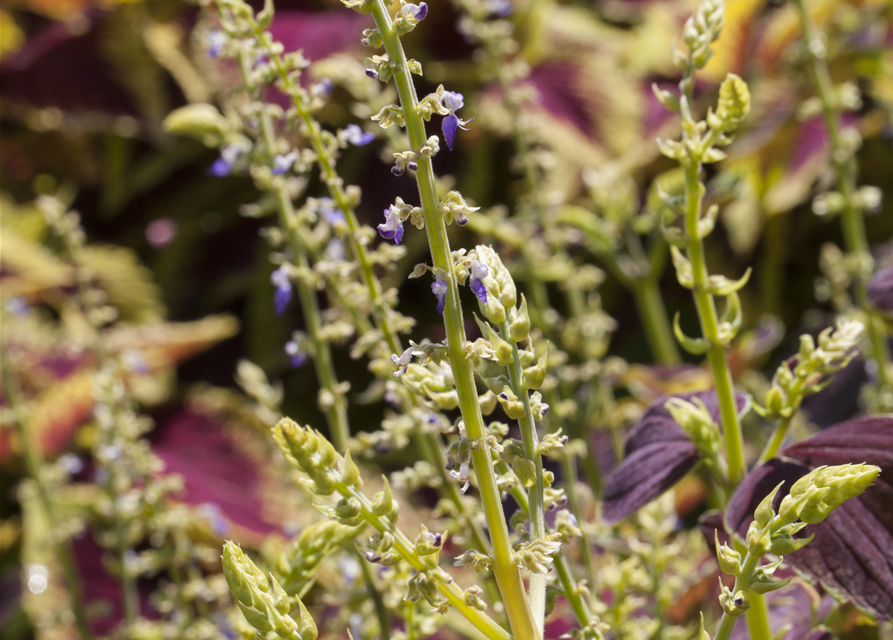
<point>336,411</point>
<point>507,574</point>
<point>851,218</point>
<point>536,510</point>
<point>722,375</point>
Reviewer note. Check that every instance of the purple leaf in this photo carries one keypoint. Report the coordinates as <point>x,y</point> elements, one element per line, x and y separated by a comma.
<point>215,470</point>
<point>852,553</point>
<point>880,289</point>
<point>657,454</point>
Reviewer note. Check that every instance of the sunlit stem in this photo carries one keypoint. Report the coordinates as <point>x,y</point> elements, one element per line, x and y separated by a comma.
<point>507,574</point>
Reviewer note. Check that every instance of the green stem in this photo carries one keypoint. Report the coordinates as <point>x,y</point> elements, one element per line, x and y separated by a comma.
<point>507,574</point>
<point>722,375</point>
<point>569,471</point>
<point>336,411</point>
<point>427,563</point>
<point>658,332</point>
<point>384,620</point>
<point>851,218</point>
<point>34,461</point>
<point>536,509</point>
<point>742,583</point>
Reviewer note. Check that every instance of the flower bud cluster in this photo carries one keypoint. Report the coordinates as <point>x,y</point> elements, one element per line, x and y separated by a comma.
<point>810,500</point>
<point>810,370</point>
<point>265,603</point>
<point>313,454</point>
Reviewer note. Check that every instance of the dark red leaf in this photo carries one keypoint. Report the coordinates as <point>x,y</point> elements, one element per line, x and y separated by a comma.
<point>880,289</point>
<point>657,454</point>
<point>215,471</point>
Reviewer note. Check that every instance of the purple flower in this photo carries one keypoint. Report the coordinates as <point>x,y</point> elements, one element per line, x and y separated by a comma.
<point>417,11</point>
<point>356,136</point>
<point>328,211</point>
<point>322,88</point>
<point>477,273</point>
<point>402,361</point>
<point>440,287</point>
<point>335,250</point>
<point>297,355</point>
<point>453,101</point>
<point>216,40</point>
<point>223,166</point>
<point>499,8</point>
<point>284,162</point>
<point>281,281</point>
<point>392,228</point>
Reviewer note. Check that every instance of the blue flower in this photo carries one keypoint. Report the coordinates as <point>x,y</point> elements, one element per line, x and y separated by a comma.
<point>224,165</point>
<point>216,40</point>
<point>284,162</point>
<point>392,228</point>
<point>356,136</point>
<point>453,101</point>
<point>417,11</point>
<point>281,281</point>
<point>297,355</point>
<point>477,272</point>
<point>440,288</point>
<point>322,88</point>
<point>329,213</point>
<point>499,8</point>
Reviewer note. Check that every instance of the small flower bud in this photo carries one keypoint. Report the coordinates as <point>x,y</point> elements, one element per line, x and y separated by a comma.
<point>535,376</point>
<point>525,470</point>
<point>734,104</point>
<point>729,559</point>
<point>503,350</point>
<point>733,604</point>
<point>519,321</point>
<point>513,408</point>
<point>350,473</point>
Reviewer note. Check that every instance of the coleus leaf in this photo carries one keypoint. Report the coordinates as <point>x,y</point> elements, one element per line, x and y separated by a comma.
<point>880,289</point>
<point>852,553</point>
<point>657,454</point>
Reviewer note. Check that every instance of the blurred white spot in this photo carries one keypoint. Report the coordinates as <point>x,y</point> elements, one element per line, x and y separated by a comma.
<point>38,578</point>
<point>161,231</point>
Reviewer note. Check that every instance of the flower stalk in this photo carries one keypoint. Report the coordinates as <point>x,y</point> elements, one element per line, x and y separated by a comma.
<point>843,156</point>
<point>506,572</point>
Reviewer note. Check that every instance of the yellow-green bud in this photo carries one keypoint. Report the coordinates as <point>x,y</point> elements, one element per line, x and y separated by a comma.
<point>201,121</point>
<point>350,473</point>
<point>535,375</point>
<point>729,559</point>
<point>733,604</point>
<point>513,408</point>
<point>503,350</point>
<point>519,321</point>
<point>775,400</point>
<point>525,470</point>
<point>383,503</point>
<point>814,496</point>
<point>734,103</point>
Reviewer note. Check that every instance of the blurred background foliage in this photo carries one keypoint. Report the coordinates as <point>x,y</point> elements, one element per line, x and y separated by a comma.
<point>85,85</point>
